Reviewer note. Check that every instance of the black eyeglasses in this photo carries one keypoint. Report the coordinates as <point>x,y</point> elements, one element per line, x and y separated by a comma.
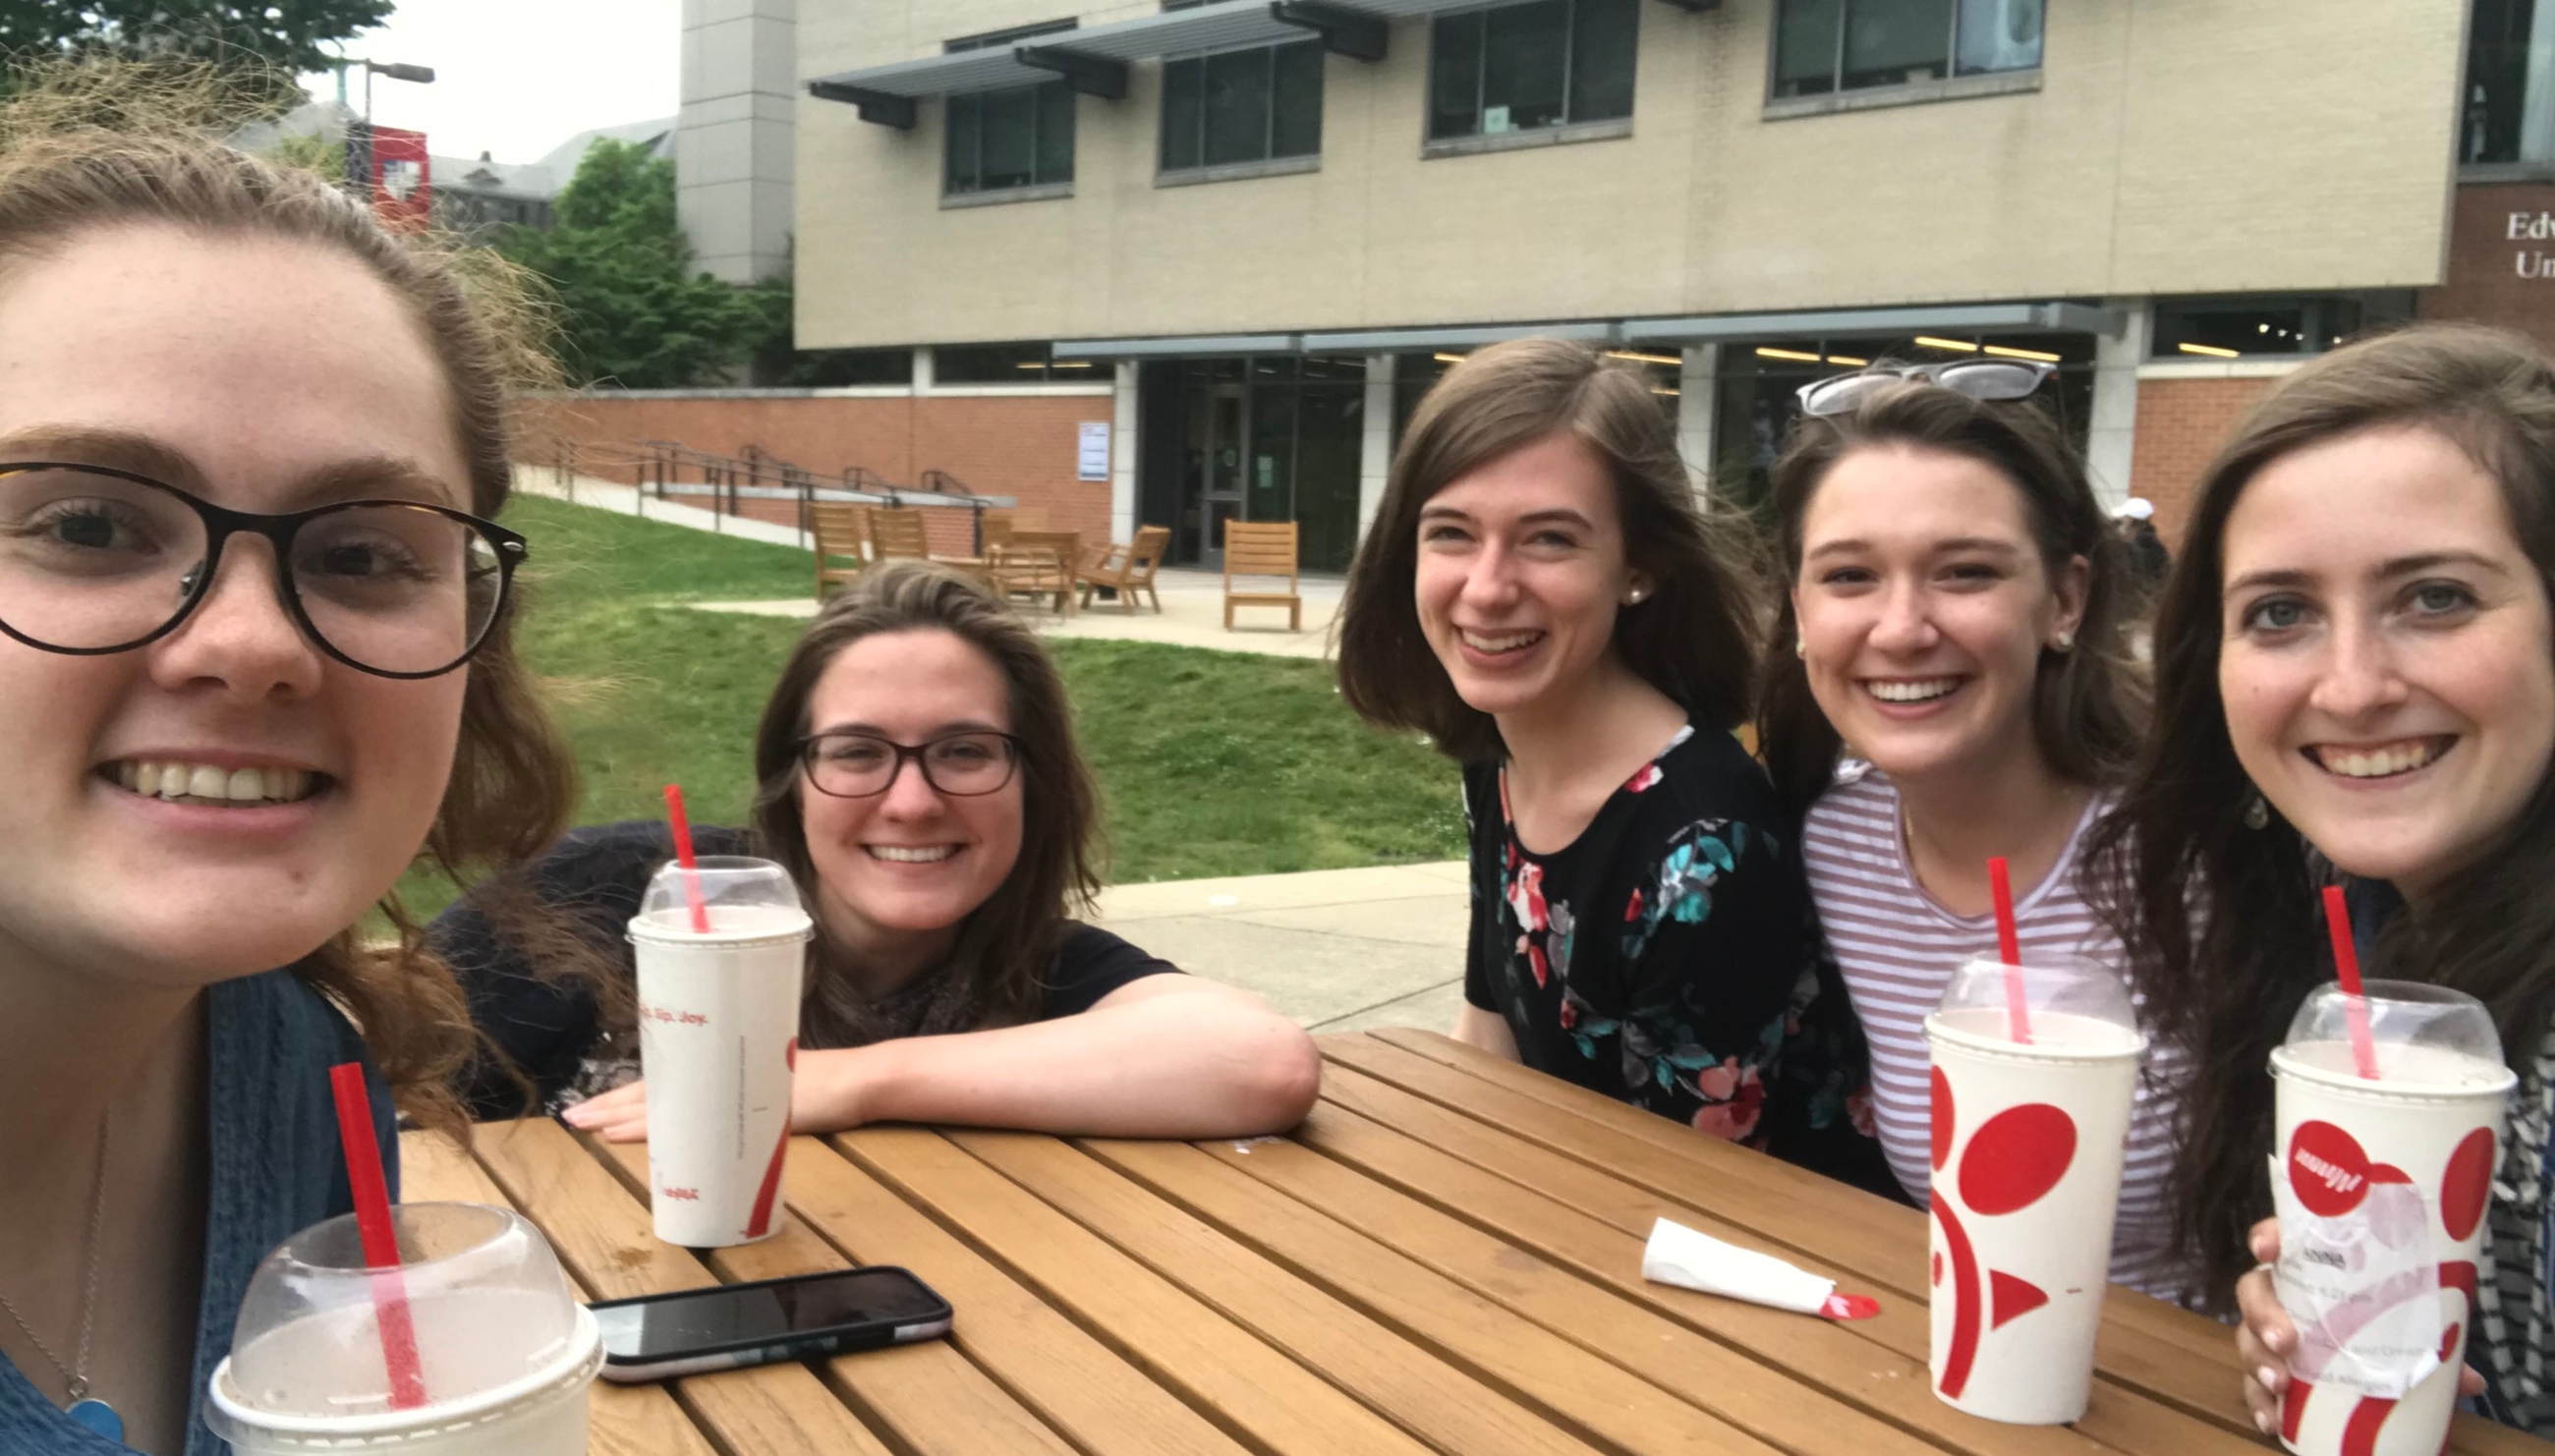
<point>95,560</point>
<point>864,764</point>
<point>1979,379</point>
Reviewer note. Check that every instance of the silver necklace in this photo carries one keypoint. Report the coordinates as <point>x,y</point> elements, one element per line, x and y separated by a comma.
<point>95,1414</point>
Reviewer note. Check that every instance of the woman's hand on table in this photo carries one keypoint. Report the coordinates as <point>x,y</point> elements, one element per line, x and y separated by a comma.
<point>2267,1337</point>
<point>822,1099</point>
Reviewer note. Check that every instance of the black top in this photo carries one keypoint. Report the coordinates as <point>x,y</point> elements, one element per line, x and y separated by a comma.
<point>1660,957</point>
<point>597,875</point>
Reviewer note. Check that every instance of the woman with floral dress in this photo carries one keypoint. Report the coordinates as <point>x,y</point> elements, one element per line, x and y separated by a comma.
<point>1542,596</point>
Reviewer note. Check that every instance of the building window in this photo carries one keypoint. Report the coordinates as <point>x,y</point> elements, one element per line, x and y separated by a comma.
<point>1237,106</point>
<point>2509,111</point>
<point>1823,46</point>
<point>1013,138</point>
<point>2230,328</point>
<point>1520,68</point>
<point>1009,364</point>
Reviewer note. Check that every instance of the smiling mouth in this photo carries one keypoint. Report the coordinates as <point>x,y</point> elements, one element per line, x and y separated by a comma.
<point>1499,645</point>
<point>911,854</point>
<point>2379,761</point>
<point>1912,690</point>
<point>213,786</point>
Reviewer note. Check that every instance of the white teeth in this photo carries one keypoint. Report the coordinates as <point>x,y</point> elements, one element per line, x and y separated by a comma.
<point>1914,692</point>
<point>914,854</point>
<point>157,780</point>
<point>1508,644</point>
<point>2377,764</point>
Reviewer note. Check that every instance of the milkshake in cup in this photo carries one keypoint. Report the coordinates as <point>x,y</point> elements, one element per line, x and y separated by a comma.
<point>504,1352</point>
<point>2028,1141</point>
<point>2381,1186</point>
<point>718,1037</point>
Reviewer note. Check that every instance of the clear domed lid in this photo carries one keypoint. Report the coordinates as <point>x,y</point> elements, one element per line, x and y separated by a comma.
<point>2055,985</point>
<point>2402,1015</point>
<point>741,894</point>
<point>484,1295</point>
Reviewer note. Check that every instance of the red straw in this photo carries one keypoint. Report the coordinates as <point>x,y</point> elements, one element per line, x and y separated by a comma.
<point>684,854</point>
<point>2017,1010</point>
<point>381,1242</point>
<point>2346,967</point>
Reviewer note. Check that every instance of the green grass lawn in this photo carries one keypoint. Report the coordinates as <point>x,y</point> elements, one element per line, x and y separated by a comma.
<point>1210,763</point>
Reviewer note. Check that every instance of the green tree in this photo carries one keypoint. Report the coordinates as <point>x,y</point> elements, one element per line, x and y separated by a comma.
<point>284,34</point>
<point>633,311</point>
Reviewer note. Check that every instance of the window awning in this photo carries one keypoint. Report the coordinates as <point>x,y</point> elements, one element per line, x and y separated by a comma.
<point>1087,58</point>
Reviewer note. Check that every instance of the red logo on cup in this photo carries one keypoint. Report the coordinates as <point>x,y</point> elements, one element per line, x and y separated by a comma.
<point>2330,1173</point>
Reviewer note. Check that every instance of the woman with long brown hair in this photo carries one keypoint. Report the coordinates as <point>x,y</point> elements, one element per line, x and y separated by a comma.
<point>918,777</point>
<point>1541,595</point>
<point>255,659</point>
<point>2355,683</point>
<point>1955,613</point>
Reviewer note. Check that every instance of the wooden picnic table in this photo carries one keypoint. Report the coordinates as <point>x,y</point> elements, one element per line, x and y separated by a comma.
<point>1444,1257</point>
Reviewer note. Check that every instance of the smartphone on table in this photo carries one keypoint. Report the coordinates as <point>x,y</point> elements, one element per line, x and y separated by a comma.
<point>658,1336</point>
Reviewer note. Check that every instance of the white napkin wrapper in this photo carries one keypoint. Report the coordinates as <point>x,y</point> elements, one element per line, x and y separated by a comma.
<point>1679,1256</point>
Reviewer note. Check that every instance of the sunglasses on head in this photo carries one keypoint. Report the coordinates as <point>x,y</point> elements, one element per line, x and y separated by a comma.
<point>1979,379</point>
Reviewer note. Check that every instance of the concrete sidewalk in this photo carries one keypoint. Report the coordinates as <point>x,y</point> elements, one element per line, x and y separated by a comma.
<point>1339,950</point>
<point>1192,615</point>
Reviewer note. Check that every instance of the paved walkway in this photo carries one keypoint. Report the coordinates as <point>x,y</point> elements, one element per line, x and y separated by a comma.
<point>1192,615</point>
<point>1339,950</point>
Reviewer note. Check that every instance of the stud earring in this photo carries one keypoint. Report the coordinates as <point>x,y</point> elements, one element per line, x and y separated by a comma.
<point>2063,642</point>
<point>1633,598</point>
<point>1801,647</point>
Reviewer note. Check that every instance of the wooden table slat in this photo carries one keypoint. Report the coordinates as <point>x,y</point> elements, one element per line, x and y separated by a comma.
<point>1402,1379</point>
<point>1800,1382</point>
<point>621,1420</point>
<point>602,1232</point>
<point>1080,1386</point>
<point>928,1394</point>
<point>1772,1200</point>
<point>2174,1355</point>
<point>1273,1404</point>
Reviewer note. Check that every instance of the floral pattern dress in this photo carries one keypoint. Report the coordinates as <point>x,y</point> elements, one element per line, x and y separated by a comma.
<point>1663,957</point>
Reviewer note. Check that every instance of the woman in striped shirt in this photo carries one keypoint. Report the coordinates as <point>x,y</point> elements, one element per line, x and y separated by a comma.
<point>1959,689</point>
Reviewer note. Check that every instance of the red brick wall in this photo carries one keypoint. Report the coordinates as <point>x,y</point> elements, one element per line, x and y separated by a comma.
<point>1005,445</point>
<point>2181,424</point>
<point>2494,277</point>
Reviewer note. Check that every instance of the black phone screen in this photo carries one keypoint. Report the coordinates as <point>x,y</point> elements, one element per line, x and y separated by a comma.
<point>696,1322</point>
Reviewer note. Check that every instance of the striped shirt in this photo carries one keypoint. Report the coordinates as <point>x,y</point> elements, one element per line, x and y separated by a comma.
<point>1898,948</point>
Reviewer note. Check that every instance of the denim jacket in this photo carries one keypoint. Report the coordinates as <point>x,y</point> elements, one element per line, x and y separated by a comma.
<point>277,1168</point>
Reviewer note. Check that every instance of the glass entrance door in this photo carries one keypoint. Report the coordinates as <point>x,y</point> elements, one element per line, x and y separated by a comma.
<point>1219,417</point>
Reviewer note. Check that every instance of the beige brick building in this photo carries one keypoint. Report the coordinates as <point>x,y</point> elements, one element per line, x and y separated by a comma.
<point>1264,228</point>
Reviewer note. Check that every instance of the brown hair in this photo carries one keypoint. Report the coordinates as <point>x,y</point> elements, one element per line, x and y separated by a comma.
<point>1005,947</point>
<point>2223,983</point>
<point>89,148</point>
<point>1694,638</point>
<point>2089,702</point>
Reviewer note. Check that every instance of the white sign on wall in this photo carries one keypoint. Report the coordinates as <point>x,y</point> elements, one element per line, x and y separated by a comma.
<point>1091,462</point>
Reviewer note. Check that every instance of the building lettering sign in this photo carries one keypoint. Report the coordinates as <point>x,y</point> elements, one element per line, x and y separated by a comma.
<point>2527,226</point>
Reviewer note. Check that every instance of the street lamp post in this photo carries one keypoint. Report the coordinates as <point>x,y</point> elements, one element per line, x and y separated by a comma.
<point>398,71</point>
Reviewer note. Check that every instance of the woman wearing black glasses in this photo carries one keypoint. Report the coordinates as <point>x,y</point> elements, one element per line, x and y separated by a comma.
<point>1957,688</point>
<point>254,662</point>
<point>918,776</point>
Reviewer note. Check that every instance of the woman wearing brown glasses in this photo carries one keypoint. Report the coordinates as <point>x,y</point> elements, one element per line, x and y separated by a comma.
<point>918,776</point>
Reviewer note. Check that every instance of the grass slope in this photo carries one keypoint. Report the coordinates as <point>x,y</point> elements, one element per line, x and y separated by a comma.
<point>1210,763</point>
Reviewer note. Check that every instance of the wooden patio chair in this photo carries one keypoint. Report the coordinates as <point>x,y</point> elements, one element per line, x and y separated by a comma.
<point>1262,548</point>
<point>1038,565</point>
<point>1126,570</point>
<point>840,530</point>
<point>896,534</point>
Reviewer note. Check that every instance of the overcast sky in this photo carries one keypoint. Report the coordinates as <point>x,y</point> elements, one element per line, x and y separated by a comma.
<point>517,77</point>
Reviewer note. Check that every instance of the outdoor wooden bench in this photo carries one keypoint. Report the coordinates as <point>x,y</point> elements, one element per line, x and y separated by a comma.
<point>1262,548</point>
<point>1126,570</point>
<point>1444,1257</point>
